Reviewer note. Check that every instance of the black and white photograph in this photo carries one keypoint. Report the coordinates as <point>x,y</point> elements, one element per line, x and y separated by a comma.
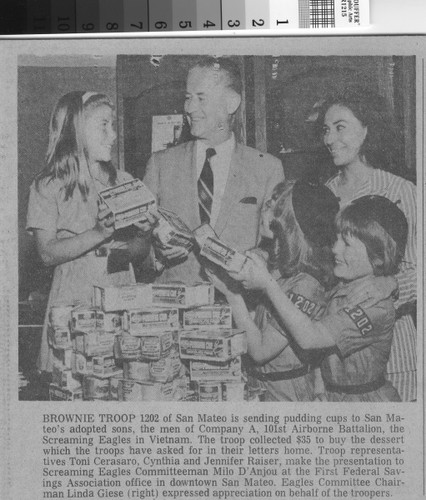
<point>300,140</point>
<point>212,251</point>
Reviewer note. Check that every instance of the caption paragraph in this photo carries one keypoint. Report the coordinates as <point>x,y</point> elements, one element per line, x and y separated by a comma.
<point>225,456</point>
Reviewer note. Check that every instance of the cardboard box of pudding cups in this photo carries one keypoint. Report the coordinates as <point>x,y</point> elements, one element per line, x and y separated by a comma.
<point>133,390</point>
<point>59,394</point>
<point>59,338</point>
<point>94,343</point>
<point>60,315</point>
<point>209,392</point>
<point>215,250</point>
<point>213,371</point>
<point>163,370</point>
<point>129,202</point>
<point>127,347</point>
<point>207,317</point>
<point>148,321</point>
<point>212,345</point>
<point>141,296</point>
<point>171,230</point>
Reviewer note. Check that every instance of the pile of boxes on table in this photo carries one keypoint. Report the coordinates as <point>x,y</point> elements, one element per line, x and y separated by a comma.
<point>157,342</point>
<point>83,361</point>
<point>151,342</point>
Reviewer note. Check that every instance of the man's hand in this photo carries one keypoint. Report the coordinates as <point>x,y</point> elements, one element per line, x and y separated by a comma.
<point>146,226</point>
<point>171,253</point>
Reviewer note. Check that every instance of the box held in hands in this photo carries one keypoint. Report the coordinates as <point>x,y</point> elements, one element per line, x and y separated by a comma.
<point>215,250</point>
<point>129,202</point>
<point>171,230</point>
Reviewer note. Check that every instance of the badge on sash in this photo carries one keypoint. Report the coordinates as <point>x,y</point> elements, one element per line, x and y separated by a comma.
<point>360,319</point>
<point>302,303</point>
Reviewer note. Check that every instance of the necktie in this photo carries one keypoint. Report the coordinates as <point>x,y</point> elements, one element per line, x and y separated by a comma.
<point>205,188</point>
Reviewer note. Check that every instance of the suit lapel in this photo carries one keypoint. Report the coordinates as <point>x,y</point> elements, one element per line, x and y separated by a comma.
<point>235,187</point>
<point>193,173</point>
<point>188,184</point>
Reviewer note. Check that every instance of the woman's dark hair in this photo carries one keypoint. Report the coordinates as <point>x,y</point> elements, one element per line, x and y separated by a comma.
<point>293,252</point>
<point>66,158</point>
<point>382,147</point>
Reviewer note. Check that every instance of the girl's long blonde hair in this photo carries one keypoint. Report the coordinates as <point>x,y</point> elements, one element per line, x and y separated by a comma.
<point>66,158</point>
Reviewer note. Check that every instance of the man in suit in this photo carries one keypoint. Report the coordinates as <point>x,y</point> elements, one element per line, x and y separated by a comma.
<point>212,178</point>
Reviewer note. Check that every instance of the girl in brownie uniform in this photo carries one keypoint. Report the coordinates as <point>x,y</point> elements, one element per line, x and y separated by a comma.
<point>300,220</point>
<point>371,239</point>
<point>72,232</point>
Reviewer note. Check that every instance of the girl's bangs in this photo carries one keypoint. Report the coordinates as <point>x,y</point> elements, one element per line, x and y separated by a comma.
<point>350,222</point>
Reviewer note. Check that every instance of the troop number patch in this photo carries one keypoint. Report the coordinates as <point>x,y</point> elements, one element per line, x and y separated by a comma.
<point>360,319</point>
<point>302,303</point>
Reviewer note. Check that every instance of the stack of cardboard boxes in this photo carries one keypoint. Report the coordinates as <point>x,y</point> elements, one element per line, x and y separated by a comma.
<point>158,342</point>
<point>151,342</point>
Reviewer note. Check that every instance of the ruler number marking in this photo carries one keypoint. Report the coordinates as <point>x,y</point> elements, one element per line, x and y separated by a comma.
<point>208,24</point>
<point>282,22</point>
<point>138,26</point>
<point>185,24</point>
<point>112,26</point>
<point>255,23</point>
<point>233,24</point>
<point>63,24</point>
<point>161,25</point>
<point>88,27</point>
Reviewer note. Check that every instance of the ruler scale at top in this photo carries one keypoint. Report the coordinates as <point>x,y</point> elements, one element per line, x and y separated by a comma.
<point>165,16</point>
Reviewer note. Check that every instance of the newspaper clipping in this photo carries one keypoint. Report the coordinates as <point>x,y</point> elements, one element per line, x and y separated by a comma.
<point>209,253</point>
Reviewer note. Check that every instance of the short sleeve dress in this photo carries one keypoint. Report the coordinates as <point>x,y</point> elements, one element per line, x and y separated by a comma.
<point>355,370</point>
<point>402,364</point>
<point>73,281</point>
<point>308,295</point>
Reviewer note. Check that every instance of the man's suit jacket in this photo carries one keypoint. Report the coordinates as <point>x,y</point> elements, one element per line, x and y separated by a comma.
<point>172,176</point>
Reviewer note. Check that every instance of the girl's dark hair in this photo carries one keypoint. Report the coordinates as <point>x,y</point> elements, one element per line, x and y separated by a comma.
<point>382,147</point>
<point>293,252</point>
<point>66,158</point>
<point>383,252</point>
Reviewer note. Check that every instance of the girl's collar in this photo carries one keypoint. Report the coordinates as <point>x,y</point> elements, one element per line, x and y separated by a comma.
<point>98,174</point>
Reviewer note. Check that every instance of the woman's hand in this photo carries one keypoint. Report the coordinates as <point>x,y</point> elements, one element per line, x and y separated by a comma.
<point>254,275</point>
<point>371,291</point>
<point>105,223</point>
